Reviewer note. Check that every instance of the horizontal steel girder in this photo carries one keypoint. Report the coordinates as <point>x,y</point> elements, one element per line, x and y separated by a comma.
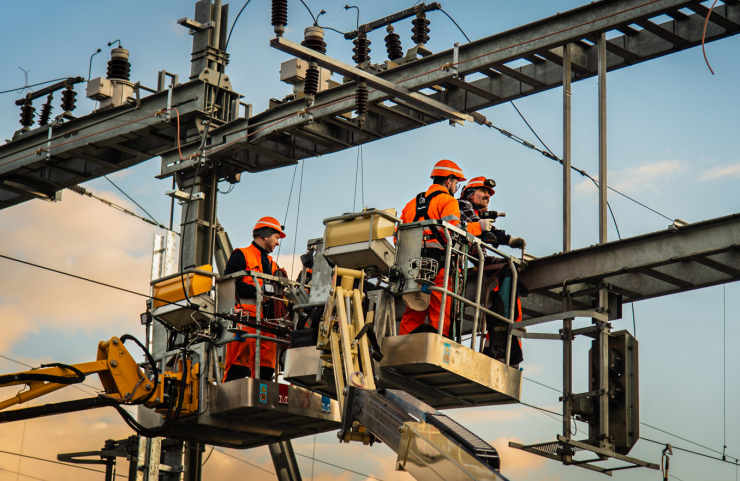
<point>97,144</point>
<point>426,103</point>
<point>540,43</point>
<point>651,265</point>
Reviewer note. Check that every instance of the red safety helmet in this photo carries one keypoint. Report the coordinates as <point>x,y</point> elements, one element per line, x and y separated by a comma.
<point>446,168</point>
<point>479,183</point>
<point>270,222</point>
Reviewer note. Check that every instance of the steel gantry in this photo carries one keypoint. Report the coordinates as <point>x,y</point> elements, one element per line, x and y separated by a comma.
<point>171,122</point>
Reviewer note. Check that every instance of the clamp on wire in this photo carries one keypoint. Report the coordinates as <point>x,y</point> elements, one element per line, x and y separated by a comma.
<point>665,461</point>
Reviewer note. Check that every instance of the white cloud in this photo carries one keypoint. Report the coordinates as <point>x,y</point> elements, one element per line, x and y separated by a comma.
<point>646,177</point>
<point>731,171</point>
<point>81,236</point>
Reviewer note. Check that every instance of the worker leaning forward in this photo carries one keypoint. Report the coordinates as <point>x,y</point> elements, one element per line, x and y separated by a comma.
<point>256,258</point>
<point>438,202</point>
<point>473,203</point>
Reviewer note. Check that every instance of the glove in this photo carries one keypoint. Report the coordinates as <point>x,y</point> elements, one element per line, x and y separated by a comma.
<point>485,224</point>
<point>517,243</point>
<point>307,260</point>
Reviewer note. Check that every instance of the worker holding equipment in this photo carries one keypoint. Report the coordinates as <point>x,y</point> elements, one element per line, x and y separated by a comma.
<point>240,356</point>
<point>438,202</point>
<point>473,204</point>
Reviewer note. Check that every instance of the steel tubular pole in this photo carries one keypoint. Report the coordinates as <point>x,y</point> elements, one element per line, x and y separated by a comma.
<point>603,399</point>
<point>567,219</point>
<point>602,140</point>
<point>566,148</point>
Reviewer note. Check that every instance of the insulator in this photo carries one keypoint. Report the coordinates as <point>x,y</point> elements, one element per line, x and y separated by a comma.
<point>393,44</point>
<point>27,114</point>
<point>279,16</point>
<point>361,102</point>
<point>311,83</point>
<point>361,50</point>
<point>118,65</point>
<point>78,189</point>
<point>314,39</point>
<point>420,29</point>
<point>68,100</point>
<point>46,111</point>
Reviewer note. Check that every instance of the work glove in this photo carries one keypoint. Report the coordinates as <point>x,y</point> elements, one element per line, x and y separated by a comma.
<point>307,260</point>
<point>485,224</point>
<point>517,243</point>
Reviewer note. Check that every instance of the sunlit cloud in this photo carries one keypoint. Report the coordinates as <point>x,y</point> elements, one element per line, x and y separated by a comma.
<point>731,171</point>
<point>646,177</point>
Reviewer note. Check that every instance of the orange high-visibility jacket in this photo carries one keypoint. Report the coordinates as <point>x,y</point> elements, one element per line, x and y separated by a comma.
<point>442,206</point>
<point>253,257</point>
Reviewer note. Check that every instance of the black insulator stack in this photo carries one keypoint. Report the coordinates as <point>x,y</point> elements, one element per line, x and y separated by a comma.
<point>361,50</point>
<point>361,102</point>
<point>279,16</point>
<point>420,30</point>
<point>311,84</point>
<point>118,66</point>
<point>27,114</point>
<point>393,44</point>
<point>68,100</point>
<point>46,111</point>
<point>314,39</point>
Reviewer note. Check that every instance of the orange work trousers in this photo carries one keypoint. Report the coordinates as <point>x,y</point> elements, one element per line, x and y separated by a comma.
<point>243,353</point>
<point>412,319</point>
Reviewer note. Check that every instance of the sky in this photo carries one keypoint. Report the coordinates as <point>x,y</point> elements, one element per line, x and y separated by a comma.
<point>672,129</point>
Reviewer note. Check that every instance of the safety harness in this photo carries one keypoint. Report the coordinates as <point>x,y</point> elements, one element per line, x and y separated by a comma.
<point>422,209</point>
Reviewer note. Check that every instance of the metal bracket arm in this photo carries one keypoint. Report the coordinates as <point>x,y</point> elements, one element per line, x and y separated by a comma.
<point>414,98</point>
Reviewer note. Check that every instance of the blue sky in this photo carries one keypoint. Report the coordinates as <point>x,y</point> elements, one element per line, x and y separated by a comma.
<point>672,128</point>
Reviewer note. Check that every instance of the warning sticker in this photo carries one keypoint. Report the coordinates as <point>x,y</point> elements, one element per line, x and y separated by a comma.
<point>325,404</point>
<point>283,393</point>
<point>305,399</point>
<point>446,355</point>
<point>263,393</point>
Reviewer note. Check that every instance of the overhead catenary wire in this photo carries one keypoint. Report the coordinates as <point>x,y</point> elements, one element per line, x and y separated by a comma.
<point>78,189</point>
<point>132,200</point>
<point>642,423</point>
<point>244,461</point>
<point>95,389</point>
<point>56,462</point>
<point>34,85</point>
<point>287,207</point>
<point>297,214</point>
<point>21,474</point>
<point>614,219</point>
<point>337,466</point>
<point>736,463</point>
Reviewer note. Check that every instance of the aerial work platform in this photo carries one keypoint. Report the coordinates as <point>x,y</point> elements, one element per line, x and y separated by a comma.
<point>435,369</point>
<point>248,413</point>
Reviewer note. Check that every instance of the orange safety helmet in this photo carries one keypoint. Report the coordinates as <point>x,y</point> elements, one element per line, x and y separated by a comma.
<point>446,168</point>
<point>271,223</point>
<point>479,183</point>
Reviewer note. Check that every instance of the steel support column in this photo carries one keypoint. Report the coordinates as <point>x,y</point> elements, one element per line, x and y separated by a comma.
<point>197,232</point>
<point>602,139</point>
<point>566,148</point>
<point>567,332</point>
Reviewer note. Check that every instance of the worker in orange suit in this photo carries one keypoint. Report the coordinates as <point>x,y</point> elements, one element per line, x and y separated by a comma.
<point>240,356</point>
<point>438,202</point>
